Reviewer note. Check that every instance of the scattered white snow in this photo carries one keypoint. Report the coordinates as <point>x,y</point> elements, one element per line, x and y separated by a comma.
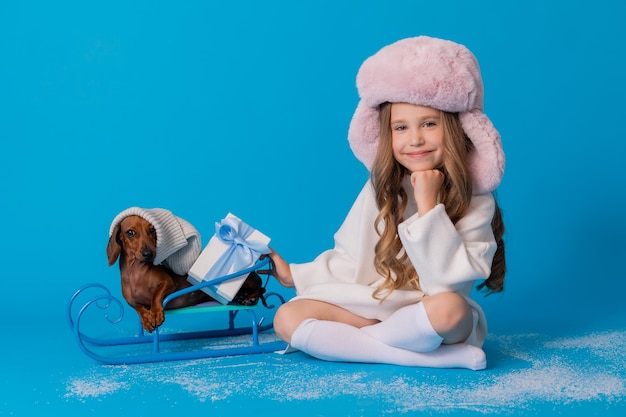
<point>555,370</point>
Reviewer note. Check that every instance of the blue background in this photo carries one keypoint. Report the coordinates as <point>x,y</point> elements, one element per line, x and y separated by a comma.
<point>205,108</point>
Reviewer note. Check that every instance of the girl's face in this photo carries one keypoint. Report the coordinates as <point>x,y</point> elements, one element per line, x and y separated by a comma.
<point>416,136</point>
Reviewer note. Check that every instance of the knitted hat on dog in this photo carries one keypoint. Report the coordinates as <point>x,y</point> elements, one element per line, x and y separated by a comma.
<point>178,242</point>
<point>434,73</point>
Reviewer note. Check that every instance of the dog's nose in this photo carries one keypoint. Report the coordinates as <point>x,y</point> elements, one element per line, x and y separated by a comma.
<point>147,254</point>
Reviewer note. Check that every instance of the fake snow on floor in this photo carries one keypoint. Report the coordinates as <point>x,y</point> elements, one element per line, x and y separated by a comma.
<point>530,369</point>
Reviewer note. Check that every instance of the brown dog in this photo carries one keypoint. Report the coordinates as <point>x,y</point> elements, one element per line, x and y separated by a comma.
<point>144,285</point>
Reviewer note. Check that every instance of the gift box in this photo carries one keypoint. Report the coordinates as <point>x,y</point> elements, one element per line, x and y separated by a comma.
<point>234,247</point>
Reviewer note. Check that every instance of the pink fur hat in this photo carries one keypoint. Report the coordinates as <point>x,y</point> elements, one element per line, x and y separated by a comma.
<point>435,73</point>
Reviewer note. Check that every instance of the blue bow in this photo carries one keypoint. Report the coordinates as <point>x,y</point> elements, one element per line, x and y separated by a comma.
<point>241,253</point>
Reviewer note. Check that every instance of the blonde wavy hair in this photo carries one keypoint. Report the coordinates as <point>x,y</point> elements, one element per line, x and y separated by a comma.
<point>391,260</point>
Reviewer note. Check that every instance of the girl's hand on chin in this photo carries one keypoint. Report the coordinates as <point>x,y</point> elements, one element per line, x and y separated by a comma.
<point>426,186</point>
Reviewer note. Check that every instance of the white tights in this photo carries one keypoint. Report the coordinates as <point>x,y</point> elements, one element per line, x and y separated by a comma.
<point>405,338</point>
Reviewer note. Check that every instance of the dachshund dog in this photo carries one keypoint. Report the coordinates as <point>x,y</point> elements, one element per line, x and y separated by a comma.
<point>144,285</point>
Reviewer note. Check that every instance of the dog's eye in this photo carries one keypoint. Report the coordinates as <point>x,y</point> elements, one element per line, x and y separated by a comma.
<point>152,231</point>
<point>130,233</point>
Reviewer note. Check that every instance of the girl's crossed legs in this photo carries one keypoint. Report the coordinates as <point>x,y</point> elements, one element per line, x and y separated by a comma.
<point>412,336</point>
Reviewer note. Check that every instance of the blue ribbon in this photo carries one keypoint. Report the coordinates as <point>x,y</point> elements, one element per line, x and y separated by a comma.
<point>241,253</point>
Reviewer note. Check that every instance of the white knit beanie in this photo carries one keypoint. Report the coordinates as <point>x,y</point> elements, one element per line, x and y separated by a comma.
<point>178,242</point>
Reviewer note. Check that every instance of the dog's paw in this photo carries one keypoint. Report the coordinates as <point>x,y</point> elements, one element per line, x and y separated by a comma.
<point>158,317</point>
<point>146,323</point>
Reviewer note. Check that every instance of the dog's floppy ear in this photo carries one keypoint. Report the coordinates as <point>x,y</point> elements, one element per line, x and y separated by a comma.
<point>114,248</point>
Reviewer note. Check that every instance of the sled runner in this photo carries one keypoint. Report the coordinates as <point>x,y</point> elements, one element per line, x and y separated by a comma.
<point>167,343</point>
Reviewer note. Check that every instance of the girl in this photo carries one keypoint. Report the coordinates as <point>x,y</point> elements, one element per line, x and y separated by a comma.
<point>396,287</point>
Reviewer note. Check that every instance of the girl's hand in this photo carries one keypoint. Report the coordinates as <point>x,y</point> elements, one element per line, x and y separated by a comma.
<point>279,269</point>
<point>426,187</point>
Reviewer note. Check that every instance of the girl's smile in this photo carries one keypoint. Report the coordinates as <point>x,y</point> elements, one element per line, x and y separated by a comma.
<point>420,154</point>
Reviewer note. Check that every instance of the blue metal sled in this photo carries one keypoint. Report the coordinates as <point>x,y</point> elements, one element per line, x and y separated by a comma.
<point>116,350</point>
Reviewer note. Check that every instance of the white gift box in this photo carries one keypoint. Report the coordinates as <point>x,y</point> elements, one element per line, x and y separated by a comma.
<point>204,269</point>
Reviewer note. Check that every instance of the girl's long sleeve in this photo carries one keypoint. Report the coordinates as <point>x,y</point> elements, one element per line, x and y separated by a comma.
<point>446,256</point>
